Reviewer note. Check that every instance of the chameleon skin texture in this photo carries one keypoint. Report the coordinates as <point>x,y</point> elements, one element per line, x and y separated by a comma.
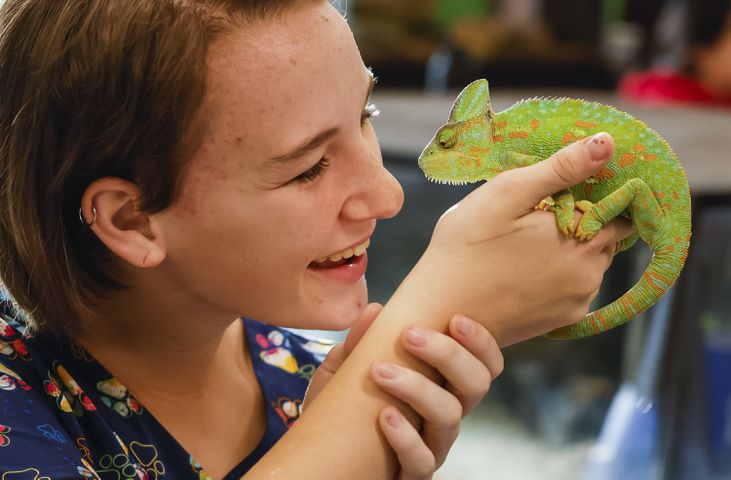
<point>643,181</point>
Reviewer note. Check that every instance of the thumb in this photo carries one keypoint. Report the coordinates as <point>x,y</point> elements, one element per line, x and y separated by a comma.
<point>340,352</point>
<point>370,312</point>
<point>569,166</point>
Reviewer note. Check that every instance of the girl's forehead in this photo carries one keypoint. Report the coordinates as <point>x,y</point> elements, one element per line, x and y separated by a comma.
<point>287,73</point>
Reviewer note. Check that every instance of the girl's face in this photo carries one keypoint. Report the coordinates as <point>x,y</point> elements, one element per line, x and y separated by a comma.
<point>289,172</point>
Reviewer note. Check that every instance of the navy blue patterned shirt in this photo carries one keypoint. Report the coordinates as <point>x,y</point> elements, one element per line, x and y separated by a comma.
<point>63,416</point>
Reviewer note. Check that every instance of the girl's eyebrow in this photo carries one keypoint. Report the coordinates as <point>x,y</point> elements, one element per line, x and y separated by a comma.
<point>321,137</point>
<point>307,146</point>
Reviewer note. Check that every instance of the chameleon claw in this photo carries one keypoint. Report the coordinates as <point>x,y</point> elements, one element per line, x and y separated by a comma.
<point>583,235</point>
<point>545,204</point>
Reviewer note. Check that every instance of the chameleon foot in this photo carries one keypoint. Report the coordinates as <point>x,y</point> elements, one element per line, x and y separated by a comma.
<point>583,235</point>
<point>583,206</point>
<point>564,219</point>
<point>545,204</point>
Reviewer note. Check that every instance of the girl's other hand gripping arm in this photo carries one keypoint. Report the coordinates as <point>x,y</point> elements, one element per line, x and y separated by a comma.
<point>468,358</point>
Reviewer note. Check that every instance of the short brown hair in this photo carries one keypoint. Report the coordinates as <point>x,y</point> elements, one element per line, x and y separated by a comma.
<point>95,88</point>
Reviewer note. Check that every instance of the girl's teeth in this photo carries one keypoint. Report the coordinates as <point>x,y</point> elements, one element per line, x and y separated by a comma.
<point>335,257</point>
<point>361,248</point>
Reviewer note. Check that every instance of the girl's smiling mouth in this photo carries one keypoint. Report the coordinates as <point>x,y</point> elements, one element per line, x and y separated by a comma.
<point>346,266</point>
<point>348,256</point>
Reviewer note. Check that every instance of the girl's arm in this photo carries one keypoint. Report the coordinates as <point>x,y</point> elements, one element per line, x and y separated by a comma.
<point>492,258</point>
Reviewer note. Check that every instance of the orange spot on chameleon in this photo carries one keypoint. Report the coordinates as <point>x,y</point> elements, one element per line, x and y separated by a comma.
<point>518,134</point>
<point>534,124</point>
<point>569,137</point>
<point>605,174</point>
<point>498,138</point>
<point>639,148</point>
<point>502,124</point>
<point>648,278</point>
<point>585,124</point>
<point>649,156</point>
<point>676,196</point>
<point>626,160</point>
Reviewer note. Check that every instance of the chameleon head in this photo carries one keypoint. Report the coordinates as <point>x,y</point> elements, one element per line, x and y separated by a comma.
<point>458,153</point>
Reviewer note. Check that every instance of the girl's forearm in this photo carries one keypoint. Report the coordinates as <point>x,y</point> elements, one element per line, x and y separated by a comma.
<point>338,436</point>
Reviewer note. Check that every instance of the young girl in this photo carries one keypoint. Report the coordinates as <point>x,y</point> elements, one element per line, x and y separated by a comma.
<point>167,166</point>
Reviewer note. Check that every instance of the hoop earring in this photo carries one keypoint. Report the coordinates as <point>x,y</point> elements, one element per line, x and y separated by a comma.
<point>83,220</point>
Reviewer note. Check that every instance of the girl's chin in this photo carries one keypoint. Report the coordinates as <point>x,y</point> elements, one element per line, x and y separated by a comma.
<point>335,313</point>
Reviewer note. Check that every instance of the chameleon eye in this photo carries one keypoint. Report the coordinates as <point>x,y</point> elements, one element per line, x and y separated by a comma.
<point>447,138</point>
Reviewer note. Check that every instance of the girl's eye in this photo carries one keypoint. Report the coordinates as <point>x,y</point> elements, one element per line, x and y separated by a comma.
<point>370,111</point>
<point>312,173</point>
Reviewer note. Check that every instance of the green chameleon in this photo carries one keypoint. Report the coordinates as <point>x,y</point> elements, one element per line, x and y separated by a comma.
<point>643,181</point>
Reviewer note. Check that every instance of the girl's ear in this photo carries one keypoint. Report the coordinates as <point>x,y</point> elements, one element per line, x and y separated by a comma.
<point>109,207</point>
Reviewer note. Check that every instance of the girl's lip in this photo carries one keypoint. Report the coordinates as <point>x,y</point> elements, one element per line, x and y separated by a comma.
<point>349,273</point>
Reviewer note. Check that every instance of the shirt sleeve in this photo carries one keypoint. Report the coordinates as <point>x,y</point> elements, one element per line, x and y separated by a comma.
<point>33,443</point>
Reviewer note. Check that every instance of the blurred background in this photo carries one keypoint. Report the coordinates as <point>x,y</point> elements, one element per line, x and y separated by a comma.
<point>651,399</point>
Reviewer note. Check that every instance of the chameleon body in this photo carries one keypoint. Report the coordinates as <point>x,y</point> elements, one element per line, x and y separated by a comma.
<point>643,181</point>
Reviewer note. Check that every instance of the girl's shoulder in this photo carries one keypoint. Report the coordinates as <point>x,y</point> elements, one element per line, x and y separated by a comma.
<point>33,439</point>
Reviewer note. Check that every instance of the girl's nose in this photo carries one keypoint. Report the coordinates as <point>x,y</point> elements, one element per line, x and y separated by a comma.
<point>378,195</point>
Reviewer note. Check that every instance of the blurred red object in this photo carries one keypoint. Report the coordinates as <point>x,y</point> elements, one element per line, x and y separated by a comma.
<point>660,87</point>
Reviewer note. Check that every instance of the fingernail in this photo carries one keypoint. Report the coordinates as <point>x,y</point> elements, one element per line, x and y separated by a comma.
<point>465,326</point>
<point>416,336</point>
<point>598,145</point>
<point>394,418</point>
<point>386,370</point>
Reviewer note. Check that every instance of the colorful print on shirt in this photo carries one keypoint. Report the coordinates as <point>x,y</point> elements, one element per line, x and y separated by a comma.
<point>64,416</point>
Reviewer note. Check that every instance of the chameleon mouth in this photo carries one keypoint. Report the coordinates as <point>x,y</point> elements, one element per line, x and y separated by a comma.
<point>450,181</point>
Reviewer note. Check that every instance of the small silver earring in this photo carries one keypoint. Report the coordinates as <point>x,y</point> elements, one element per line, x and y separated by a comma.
<point>83,220</point>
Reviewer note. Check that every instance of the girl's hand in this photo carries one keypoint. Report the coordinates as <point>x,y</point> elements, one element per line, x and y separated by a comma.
<point>496,259</point>
<point>468,358</point>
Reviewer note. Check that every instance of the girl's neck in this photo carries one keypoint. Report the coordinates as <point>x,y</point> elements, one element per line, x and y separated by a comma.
<point>182,364</point>
<point>190,346</point>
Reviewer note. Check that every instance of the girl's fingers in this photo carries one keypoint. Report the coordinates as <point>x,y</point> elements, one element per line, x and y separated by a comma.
<point>416,459</point>
<point>479,342</point>
<point>467,361</point>
<point>609,237</point>
<point>440,409</point>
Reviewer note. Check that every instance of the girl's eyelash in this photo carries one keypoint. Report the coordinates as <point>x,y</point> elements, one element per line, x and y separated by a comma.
<point>370,111</point>
<point>312,173</point>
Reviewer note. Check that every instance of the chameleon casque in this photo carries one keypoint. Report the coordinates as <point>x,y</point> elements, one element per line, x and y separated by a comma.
<point>643,181</point>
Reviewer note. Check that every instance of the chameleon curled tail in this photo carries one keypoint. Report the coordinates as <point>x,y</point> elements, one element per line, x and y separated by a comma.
<point>643,181</point>
<point>669,254</point>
